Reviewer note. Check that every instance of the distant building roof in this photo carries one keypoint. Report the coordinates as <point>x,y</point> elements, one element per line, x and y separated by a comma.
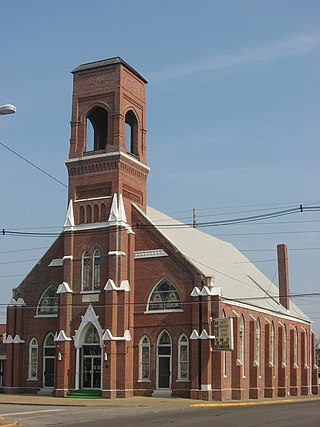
<point>106,62</point>
<point>239,279</point>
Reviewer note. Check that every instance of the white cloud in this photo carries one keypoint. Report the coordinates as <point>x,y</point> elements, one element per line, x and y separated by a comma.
<point>268,53</point>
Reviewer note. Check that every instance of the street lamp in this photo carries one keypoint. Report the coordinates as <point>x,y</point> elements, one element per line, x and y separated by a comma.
<point>7,109</point>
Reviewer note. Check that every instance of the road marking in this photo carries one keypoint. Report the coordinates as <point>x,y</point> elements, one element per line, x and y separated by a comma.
<point>241,403</point>
<point>31,412</point>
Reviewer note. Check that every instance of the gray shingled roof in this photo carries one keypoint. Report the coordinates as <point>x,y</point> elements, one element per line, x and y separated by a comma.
<point>106,62</point>
<point>238,278</point>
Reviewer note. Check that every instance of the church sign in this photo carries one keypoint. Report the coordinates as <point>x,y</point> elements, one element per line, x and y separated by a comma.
<point>223,331</point>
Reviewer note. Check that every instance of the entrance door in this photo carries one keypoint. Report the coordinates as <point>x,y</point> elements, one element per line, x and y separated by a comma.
<point>164,361</point>
<point>164,372</point>
<point>48,361</point>
<point>49,371</point>
<point>91,367</point>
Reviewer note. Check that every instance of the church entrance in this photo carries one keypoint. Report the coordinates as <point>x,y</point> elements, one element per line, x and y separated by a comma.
<point>48,361</point>
<point>164,361</point>
<point>91,359</point>
<point>91,368</point>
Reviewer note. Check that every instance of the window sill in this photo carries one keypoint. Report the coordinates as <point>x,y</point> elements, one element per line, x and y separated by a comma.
<point>144,381</point>
<point>183,380</point>
<point>37,316</point>
<point>90,292</point>
<point>177,310</point>
<point>32,379</point>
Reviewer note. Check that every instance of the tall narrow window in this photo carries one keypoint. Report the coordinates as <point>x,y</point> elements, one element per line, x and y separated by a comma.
<point>96,129</point>
<point>131,133</point>
<point>295,347</point>
<point>89,214</point>
<point>96,269</point>
<point>271,348</point>
<point>144,373</point>
<point>33,359</point>
<point>183,362</point>
<point>85,271</point>
<point>284,346</point>
<point>82,217</point>
<point>305,349</point>
<point>242,345</point>
<point>224,354</point>
<point>258,335</point>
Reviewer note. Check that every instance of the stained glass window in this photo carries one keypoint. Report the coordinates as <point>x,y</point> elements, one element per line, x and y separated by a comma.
<point>48,303</point>
<point>164,297</point>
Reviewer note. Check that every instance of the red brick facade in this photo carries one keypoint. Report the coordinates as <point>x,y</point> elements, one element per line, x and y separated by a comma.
<point>111,268</point>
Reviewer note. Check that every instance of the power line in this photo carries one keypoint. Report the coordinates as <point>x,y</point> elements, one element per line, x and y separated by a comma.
<point>33,165</point>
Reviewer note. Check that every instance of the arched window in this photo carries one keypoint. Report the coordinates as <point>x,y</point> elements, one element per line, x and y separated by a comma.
<point>33,359</point>
<point>91,336</point>
<point>242,344</point>
<point>82,216</point>
<point>96,129</point>
<point>183,360</point>
<point>85,271</point>
<point>164,297</point>
<point>131,133</point>
<point>164,339</point>
<point>271,348</point>
<point>258,340</point>
<point>48,303</point>
<point>144,372</point>
<point>96,269</point>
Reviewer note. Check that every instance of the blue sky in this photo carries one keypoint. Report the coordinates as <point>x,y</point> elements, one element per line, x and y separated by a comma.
<point>233,105</point>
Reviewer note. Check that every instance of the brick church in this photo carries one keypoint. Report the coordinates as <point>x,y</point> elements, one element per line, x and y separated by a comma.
<point>128,301</point>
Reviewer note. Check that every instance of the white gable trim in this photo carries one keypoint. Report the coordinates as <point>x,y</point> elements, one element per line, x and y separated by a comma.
<point>89,317</point>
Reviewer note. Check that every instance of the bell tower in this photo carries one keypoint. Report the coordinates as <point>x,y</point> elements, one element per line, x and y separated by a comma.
<point>108,138</point>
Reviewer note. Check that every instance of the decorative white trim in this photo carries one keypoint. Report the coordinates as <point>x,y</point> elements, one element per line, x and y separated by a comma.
<point>57,262</point>
<point>122,212</point>
<point>194,335</point>
<point>117,253</point>
<point>205,336</point>
<point>114,212</point>
<point>195,292</point>
<point>69,221</point>
<point>18,340</point>
<point>92,198</point>
<point>237,314</point>
<point>12,302</point>
<point>89,317</point>
<point>267,321</point>
<point>205,387</point>
<point>68,257</point>
<point>252,318</point>
<point>64,288</point>
<point>124,286</point>
<point>265,311</point>
<point>8,340</point>
<point>154,253</point>
<point>107,336</point>
<point>210,292</point>
<point>20,302</point>
<point>62,337</point>
<point>177,310</point>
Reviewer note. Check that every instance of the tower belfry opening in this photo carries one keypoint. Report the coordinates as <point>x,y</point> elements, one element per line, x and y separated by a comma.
<point>96,129</point>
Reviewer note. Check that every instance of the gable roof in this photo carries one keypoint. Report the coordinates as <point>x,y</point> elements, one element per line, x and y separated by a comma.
<point>235,274</point>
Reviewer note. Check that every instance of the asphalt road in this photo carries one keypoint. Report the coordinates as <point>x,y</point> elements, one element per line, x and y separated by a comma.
<point>306,413</point>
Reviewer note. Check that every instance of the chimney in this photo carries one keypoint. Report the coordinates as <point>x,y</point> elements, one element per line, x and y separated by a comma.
<point>283,275</point>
